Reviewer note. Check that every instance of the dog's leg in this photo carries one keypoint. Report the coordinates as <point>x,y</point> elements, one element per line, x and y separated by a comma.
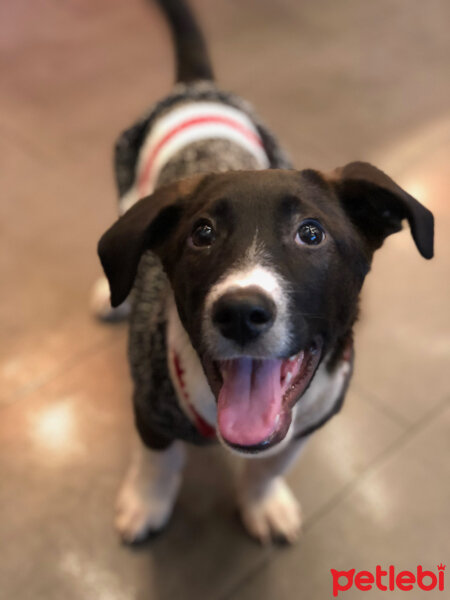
<point>268,507</point>
<point>149,491</point>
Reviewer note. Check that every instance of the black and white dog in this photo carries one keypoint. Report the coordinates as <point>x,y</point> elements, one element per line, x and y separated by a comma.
<point>243,275</point>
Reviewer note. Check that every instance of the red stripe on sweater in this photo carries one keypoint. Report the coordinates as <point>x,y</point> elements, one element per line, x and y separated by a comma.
<point>250,135</point>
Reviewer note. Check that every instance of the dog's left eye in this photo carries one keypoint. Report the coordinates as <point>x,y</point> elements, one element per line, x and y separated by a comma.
<point>310,233</point>
<point>203,234</point>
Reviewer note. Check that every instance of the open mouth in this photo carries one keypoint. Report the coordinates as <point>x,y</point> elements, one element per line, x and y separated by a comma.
<point>255,396</point>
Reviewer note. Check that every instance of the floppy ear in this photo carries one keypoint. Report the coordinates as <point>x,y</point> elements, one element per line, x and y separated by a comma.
<point>377,206</point>
<point>146,225</point>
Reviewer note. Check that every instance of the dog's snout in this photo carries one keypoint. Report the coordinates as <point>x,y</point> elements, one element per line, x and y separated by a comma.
<point>244,314</point>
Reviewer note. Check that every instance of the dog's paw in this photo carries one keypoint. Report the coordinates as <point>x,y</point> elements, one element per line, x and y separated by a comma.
<point>101,305</point>
<point>274,515</point>
<point>141,512</point>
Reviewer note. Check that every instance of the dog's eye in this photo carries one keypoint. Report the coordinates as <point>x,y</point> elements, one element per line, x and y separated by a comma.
<point>203,234</point>
<point>310,232</point>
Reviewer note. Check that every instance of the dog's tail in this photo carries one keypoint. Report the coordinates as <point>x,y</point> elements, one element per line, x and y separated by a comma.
<point>192,59</point>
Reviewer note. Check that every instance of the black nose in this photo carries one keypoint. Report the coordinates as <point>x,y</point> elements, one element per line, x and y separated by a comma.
<point>242,315</point>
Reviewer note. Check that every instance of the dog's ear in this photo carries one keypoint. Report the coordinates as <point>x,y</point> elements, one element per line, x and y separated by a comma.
<point>377,206</point>
<point>145,226</point>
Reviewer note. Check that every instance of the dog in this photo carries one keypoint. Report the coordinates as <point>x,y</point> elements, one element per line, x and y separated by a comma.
<point>243,276</point>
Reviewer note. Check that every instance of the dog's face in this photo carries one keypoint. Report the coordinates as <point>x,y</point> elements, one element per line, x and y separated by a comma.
<point>266,269</point>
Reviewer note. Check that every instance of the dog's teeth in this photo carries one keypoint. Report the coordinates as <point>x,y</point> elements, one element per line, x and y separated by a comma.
<point>288,378</point>
<point>292,358</point>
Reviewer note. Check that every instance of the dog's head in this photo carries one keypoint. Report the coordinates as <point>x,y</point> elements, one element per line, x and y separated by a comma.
<point>266,268</point>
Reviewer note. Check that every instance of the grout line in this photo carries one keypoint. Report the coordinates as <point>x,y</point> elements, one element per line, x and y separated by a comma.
<point>25,144</point>
<point>251,573</point>
<point>403,438</point>
<point>65,366</point>
<point>374,401</point>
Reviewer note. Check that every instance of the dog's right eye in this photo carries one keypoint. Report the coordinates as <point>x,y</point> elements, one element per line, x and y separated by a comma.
<point>203,234</point>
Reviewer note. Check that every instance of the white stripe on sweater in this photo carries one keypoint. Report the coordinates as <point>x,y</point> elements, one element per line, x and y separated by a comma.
<point>173,132</point>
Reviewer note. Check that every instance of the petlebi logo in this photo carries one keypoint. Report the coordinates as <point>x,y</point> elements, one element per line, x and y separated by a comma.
<point>389,580</point>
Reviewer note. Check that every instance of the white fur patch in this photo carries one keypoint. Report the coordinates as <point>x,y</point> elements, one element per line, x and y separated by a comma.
<point>273,514</point>
<point>196,393</point>
<point>271,343</point>
<point>321,396</point>
<point>253,276</point>
<point>149,490</point>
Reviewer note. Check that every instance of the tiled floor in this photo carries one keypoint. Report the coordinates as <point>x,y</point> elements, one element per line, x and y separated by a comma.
<point>336,81</point>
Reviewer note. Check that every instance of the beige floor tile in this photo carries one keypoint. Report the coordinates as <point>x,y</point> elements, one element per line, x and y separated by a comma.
<point>403,339</point>
<point>64,450</point>
<point>73,75</point>
<point>396,514</point>
<point>51,221</point>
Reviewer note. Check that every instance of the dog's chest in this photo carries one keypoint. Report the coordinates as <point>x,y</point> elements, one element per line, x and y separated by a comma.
<point>189,381</point>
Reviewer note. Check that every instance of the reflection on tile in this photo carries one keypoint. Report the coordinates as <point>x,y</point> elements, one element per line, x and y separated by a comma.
<point>403,527</point>
<point>73,75</point>
<point>69,441</point>
<point>54,429</point>
<point>340,452</point>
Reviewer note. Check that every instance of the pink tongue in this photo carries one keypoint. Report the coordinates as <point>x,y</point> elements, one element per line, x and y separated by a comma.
<point>249,400</point>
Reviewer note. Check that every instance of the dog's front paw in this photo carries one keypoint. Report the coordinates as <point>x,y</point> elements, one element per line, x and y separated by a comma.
<point>141,512</point>
<point>276,514</point>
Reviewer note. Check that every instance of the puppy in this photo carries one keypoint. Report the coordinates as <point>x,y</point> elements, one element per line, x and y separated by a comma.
<point>243,276</point>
